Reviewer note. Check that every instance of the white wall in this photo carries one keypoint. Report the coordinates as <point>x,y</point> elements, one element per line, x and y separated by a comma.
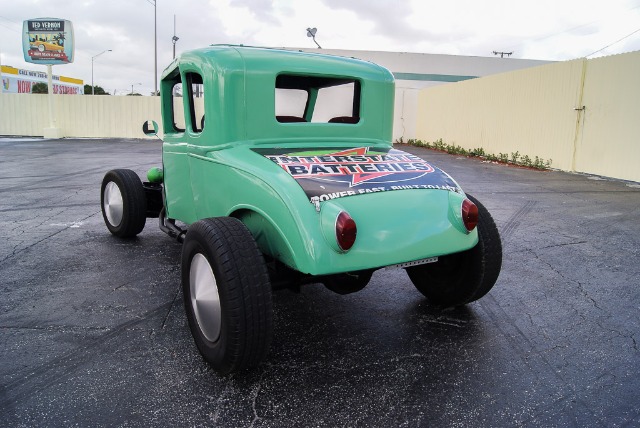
<point>97,116</point>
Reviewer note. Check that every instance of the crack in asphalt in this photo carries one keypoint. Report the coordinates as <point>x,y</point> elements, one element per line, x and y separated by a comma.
<point>254,401</point>
<point>516,218</point>
<point>516,340</point>
<point>53,371</point>
<point>30,186</point>
<point>44,207</point>
<point>214,418</point>
<point>166,317</point>
<point>580,285</point>
<point>564,244</point>
<point>53,328</point>
<point>16,251</point>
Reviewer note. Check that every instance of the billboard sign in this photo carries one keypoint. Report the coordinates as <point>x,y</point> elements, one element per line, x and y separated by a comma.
<point>20,81</point>
<point>48,41</point>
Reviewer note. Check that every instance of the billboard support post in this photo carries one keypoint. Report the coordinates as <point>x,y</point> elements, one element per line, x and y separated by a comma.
<point>51,131</point>
<point>48,41</point>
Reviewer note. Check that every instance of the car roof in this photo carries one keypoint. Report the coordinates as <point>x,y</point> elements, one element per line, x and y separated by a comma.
<point>240,81</point>
<point>260,59</point>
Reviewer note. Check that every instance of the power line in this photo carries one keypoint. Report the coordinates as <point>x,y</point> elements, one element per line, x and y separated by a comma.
<point>9,28</point>
<point>10,20</point>
<point>628,35</point>
<point>537,39</point>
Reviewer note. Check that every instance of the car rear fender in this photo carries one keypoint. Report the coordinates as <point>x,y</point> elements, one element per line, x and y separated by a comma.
<point>270,239</point>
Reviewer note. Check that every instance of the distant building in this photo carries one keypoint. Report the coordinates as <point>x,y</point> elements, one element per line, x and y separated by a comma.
<point>420,70</point>
<point>19,81</point>
<point>416,71</point>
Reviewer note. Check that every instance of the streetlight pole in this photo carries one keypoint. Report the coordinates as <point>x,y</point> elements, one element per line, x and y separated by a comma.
<point>155,43</point>
<point>132,86</point>
<point>92,58</point>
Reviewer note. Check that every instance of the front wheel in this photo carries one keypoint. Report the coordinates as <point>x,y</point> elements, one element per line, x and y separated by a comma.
<point>461,278</point>
<point>124,204</point>
<point>227,294</point>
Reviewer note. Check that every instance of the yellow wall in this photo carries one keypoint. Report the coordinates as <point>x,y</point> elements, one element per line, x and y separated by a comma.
<point>21,114</point>
<point>530,111</point>
<point>533,111</point>
<point>608,140</point>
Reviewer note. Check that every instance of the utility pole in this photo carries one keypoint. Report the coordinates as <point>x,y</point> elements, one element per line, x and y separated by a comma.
<point>155,46</point>
<point>502,54</point>
<point>154,3</point>
<point>92,58</point>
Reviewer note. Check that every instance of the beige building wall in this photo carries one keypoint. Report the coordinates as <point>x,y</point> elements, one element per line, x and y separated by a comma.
<point>92,116</point>
<point>527,111</point>
<point>538,112</point>
<point>415,71</point>
<point>534,111</point>
<point>23,114</point>
<point>608,140</point>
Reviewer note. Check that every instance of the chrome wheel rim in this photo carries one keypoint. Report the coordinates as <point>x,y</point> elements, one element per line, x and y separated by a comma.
<point>112,201</point>
<point>205,300</point>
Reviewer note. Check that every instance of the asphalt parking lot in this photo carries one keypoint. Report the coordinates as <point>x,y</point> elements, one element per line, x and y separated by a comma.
<point>93,331</point>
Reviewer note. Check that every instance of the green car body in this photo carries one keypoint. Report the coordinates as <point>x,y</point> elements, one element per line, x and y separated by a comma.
<point>228,166</point>
<point>278,171</point>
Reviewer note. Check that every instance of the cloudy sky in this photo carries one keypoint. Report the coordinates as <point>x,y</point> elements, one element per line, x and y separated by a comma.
<point>541,29</point>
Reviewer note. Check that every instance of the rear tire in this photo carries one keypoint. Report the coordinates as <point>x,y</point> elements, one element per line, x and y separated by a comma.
<point>461,278</point>
<point>123,203</point>
<point>227,294</point>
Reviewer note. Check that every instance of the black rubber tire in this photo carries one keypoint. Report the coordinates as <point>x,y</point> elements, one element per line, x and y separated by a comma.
<point>347,283</point>
<point>244,290</point>
<point>134,203</point>
<point>461,278</point>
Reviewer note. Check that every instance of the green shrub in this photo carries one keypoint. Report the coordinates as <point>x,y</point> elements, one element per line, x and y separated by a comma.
<point>515,159</point>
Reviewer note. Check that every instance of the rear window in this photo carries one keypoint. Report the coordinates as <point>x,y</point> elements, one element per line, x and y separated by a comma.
<point>301,99</point>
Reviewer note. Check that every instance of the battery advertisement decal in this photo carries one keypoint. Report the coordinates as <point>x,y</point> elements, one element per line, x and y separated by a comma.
<point>335,172</point>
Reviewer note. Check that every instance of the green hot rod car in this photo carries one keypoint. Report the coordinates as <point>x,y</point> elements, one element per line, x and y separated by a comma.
<point>278,170</point>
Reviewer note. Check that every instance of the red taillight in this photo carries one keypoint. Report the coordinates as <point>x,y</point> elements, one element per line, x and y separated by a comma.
<point>469,214</point>
<point>346,231</point>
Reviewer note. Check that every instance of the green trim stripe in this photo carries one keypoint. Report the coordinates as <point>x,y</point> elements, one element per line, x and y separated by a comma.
<point>431,77</point>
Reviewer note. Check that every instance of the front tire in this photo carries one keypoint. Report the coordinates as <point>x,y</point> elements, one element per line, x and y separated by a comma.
<point>123,202</point>
<point>461,278</point>
<point>227,294</point>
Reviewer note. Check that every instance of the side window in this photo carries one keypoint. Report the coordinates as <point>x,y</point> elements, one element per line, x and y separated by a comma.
<point>177,106</point>
<point>195,92</point>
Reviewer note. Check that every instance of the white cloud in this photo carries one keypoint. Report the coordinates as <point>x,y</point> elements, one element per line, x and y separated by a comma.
<point>544,29</point>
